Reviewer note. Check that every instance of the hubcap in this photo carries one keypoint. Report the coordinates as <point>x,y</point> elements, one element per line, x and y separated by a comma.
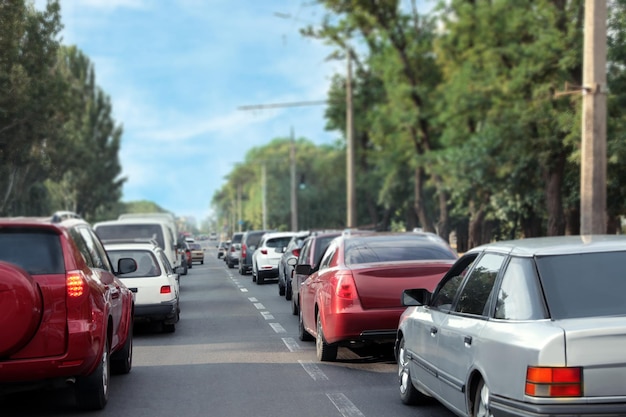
<point>483,405</point>
<point>403,373</point>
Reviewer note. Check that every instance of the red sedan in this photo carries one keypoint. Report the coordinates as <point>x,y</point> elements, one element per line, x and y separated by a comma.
<point>355,296</point>
<point>65,318</point>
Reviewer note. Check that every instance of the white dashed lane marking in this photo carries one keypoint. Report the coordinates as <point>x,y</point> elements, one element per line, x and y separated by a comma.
<point>278,328</point>
<point>344,405</point>
<point>291,344</point>
<point>313,370</point>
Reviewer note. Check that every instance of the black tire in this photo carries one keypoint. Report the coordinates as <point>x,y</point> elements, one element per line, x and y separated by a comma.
<point>408,393</point>
<point>202,262</point>
<point>122,360</point>
<point>260,279</point>
<point>92,391</point>
<point>190,265</point>
<point>281,290</point>
<point>253,277</point>
<point>294,306</point>
<point>288,293</point>
<point>169,327</point>
<point>480,407</point>
<point>326,352</point>
<point>302,333</point>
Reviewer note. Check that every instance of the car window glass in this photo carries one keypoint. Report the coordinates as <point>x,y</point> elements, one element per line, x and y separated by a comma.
<point>92,247</point>
<point>132,231</point>
<point>166,263</point>
<point>36,251</point>
<point>328,256</point>
<point>304,254</point>
<point>445,296</point>
<point>584,285</point>
<point>479,284</point>
<point>147,265</point>
<point>393,249</point>
<point>321,245</point>
<point>519,297</point>
<point>279,242</point>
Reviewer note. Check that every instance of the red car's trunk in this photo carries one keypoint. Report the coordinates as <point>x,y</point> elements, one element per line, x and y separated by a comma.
<point>381,285</point>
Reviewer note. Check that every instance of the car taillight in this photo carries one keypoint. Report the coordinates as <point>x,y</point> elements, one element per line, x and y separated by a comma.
<point>345,287</point>
<point>166,289</point>
<point>244,248</point>
<point>75,283</point>
<point>232,249</point>
<point>554,382</point>
<point>264,251</point>
<point>296,252</point>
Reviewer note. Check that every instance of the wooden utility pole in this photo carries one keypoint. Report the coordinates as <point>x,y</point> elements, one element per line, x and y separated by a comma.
<point>294,190</point>
<point>593,218</point>
<point>350,182</point>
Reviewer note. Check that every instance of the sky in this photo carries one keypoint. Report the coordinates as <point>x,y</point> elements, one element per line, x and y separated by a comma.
<point>178,73</point>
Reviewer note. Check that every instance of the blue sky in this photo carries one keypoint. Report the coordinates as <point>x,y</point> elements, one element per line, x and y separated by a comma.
<point>177,72</point>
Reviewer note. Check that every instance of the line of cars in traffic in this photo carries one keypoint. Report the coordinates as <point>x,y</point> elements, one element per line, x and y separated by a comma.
<point>70,294</point>
<point>529,327</point>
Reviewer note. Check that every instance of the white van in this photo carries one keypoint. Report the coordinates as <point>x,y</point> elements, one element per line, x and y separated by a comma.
<point>140,229</point>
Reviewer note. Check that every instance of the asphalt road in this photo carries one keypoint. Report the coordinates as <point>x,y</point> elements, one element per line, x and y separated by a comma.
<point>236,353</point>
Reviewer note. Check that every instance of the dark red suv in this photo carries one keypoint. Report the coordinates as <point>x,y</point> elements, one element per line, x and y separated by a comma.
<point>64,315</point>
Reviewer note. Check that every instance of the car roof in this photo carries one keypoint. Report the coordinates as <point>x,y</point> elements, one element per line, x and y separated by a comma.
<point>557,245</point>
<point>48,222</point>
<point>131,246</point>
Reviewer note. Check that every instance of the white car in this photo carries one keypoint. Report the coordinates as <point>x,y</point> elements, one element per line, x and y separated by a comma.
<point>267,255</point>
<point>154,284</point>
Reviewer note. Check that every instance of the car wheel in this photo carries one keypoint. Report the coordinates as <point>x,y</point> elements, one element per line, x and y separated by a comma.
<point>185,268</point>
<point>190,265</point>
<point>281,289</point>
<point>294,306</point>
<point>481,401</point>
<point>92,391</point>
<point>230,265</point>
<point>408,393</point>
<point>325,352</point>
<point>260,279</point>
<point>302,333</point>
<point>241,270</point>
<point>202,262</point>
<point>169,327</point>
<point>288,293</point>
<point>122,360</point>
<point>253,276</point>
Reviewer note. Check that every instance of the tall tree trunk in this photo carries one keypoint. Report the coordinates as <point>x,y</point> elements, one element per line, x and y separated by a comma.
<point>477,218</point>
<point>420,206</point>
<point>553,176</point>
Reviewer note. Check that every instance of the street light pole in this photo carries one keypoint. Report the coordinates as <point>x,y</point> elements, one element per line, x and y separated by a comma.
<point>294,196</point>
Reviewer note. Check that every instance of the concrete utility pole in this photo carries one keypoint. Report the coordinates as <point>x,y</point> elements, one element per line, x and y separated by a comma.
<point>350,182</point>
<point>264,194</point>
<point>593,218</point>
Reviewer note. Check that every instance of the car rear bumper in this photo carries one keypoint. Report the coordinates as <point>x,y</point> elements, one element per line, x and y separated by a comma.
<point>506,407</point>
<point>356,324</point>
<point>167,311</point>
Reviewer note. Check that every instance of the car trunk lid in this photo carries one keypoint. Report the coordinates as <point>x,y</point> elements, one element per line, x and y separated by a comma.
<point>380,285</point>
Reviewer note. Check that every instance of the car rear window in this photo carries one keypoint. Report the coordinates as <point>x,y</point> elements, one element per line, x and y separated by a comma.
<point>584,285</point>
<point>36,251</point>
<point>279,242</point>
<point>195,246</point>
<point>393,249</point>
<point>147,265</point>
<point>131,231</point>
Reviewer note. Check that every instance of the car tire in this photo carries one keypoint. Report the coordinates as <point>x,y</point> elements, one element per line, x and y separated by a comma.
<point>190,265</point>
<point>281,290</point>
<point>253,276</point>
<point>185,268</point>
<point>294,306</point>
<point>260,279</point>
<point>288,293</point>
<point>202,262</point>
<point>326,352</point>
<point>168,327</point>
<point>408,393</point>
<point>122,360</point>
<point>480,407</point>
<point>92,391</point>
<point>302,333</point>
<point>241,271</point>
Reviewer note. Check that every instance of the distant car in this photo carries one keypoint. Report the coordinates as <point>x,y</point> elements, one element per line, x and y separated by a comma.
<point>355,296</point>
<point>310,254</point>
<point>285,270</point>
<point>222,247</point>
<point>155,284</point>
<point>197,253</point>
<point>66,319</point>
<point>266,256</point>
<point>232,255</point>
<point>249,242</point>
<point>518,328</point>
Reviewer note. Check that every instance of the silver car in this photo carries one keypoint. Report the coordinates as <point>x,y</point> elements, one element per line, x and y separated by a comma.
<point>532,327</point>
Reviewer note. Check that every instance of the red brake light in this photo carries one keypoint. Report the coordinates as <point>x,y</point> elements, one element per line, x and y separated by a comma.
<point>554,382</point>
<point>244,248</point>
<point>296,252</point>
<point>345,287</point>
<point>166,289</point>
<point>264,251</point>
<point>75,283</point>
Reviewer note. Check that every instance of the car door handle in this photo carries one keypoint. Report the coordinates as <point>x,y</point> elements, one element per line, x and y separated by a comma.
<point>433,331</point>
<point>467,340</point>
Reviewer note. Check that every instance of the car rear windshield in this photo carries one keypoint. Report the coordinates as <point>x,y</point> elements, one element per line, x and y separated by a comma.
<point>147,265</point>
<point>130,232</point>
<point>584,285</point>
<point>279,242</point>
<point>36,251</point>
<point>195,246</point>
<point>393,249</point>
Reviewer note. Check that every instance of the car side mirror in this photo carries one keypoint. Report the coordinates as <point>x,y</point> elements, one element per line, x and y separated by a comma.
<point>415,297</point>
<point>292,261</point>
<point>126,266</point>
<point>303,269</point>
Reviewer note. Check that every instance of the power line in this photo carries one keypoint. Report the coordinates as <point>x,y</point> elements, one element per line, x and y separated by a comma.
<point>279,105</point>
